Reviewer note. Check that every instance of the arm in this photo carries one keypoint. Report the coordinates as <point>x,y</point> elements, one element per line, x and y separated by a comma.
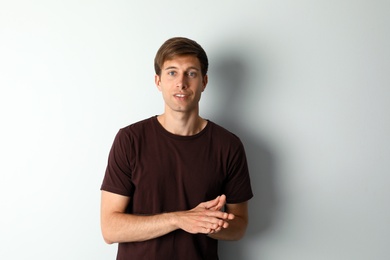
<point>237,226</point>
<point>118,226</point>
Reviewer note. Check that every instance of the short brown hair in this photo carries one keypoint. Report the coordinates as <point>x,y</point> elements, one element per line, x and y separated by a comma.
<point>179,46</point>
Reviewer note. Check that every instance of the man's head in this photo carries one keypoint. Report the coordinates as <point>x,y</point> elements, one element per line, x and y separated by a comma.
<point>180,46</point>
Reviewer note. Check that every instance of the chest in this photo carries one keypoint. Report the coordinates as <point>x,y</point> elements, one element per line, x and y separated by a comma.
<point>185,173</point>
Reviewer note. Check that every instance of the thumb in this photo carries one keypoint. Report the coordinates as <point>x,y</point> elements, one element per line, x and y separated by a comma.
<point>211,204</point>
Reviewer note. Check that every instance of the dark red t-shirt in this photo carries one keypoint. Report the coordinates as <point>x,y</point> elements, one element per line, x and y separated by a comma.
<point>163,172</point>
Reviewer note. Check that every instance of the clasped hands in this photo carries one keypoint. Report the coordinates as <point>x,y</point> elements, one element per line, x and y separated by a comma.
<point>206,218</point>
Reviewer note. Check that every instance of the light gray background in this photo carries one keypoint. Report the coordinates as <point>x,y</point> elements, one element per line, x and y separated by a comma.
<point>305,84</point>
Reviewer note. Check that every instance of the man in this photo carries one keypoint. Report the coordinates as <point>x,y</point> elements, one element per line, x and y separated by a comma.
<point>175,183</point>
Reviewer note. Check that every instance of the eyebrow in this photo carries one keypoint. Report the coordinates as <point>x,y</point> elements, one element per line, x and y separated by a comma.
<point>173,67</point>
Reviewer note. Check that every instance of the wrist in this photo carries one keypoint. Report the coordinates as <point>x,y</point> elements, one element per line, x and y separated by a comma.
<point>172,219</point>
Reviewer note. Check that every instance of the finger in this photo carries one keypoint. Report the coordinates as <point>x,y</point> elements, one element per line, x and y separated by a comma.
<point>217,229</point>
<point>225,224</point>
<point>221,202</point>
<point>207,227</point>
<point>219,215</point>
<point>222,198</point>
<point>211,203</point>
<point>231,216</point>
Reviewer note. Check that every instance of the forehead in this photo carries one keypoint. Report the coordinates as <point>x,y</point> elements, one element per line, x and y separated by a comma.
<point>182,61</point>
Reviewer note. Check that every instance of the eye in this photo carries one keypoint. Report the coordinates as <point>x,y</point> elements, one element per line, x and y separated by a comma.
<point>171,73</point>
<point>192,74</point>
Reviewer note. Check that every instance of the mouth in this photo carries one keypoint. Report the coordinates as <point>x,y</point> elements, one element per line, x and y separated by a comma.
<point>180,95</point>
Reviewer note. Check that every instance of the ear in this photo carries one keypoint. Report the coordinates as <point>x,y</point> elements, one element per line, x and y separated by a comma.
<point>205,81</point>
<point>157,81</point>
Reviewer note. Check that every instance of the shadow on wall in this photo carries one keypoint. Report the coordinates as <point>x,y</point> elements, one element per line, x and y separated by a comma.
<point>234,76</point>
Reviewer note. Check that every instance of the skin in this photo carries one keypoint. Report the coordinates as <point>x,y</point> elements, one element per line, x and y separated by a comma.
<point>181,84</point>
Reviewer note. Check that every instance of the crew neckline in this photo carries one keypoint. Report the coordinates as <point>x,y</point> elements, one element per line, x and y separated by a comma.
<point>161,129</point>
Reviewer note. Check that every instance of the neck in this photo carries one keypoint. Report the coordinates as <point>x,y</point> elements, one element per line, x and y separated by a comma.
<point>182,124</point>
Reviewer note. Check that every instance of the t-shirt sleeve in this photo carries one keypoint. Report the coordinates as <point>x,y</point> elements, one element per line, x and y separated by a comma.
<point>238,186</point>
<point>117,178</point>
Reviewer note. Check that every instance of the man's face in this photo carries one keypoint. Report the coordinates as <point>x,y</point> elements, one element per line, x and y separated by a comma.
<point>181,83</point>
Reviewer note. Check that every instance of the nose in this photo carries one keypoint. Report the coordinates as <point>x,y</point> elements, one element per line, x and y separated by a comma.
<point>182,82</point>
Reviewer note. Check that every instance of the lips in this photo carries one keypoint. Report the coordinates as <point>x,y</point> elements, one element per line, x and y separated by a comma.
<point>180,95</point>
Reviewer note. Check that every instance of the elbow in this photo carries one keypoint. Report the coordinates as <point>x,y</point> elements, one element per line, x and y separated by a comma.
<point>107,239</point>
<point>109,242</point>
<point>107,236</point>
<point>239,235</point>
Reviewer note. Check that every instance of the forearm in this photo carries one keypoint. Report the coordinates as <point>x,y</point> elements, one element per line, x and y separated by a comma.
<point>120,227</point>
<point>235,230</point>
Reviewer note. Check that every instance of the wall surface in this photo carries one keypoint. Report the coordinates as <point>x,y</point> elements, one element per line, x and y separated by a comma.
<point>305,84</point>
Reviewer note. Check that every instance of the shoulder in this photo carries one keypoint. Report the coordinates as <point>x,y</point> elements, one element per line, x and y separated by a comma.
<point>218,130</point>
<point>135,131</point>
<point>138,127</point>
<point>224,136</point>
<point>140,124</point>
